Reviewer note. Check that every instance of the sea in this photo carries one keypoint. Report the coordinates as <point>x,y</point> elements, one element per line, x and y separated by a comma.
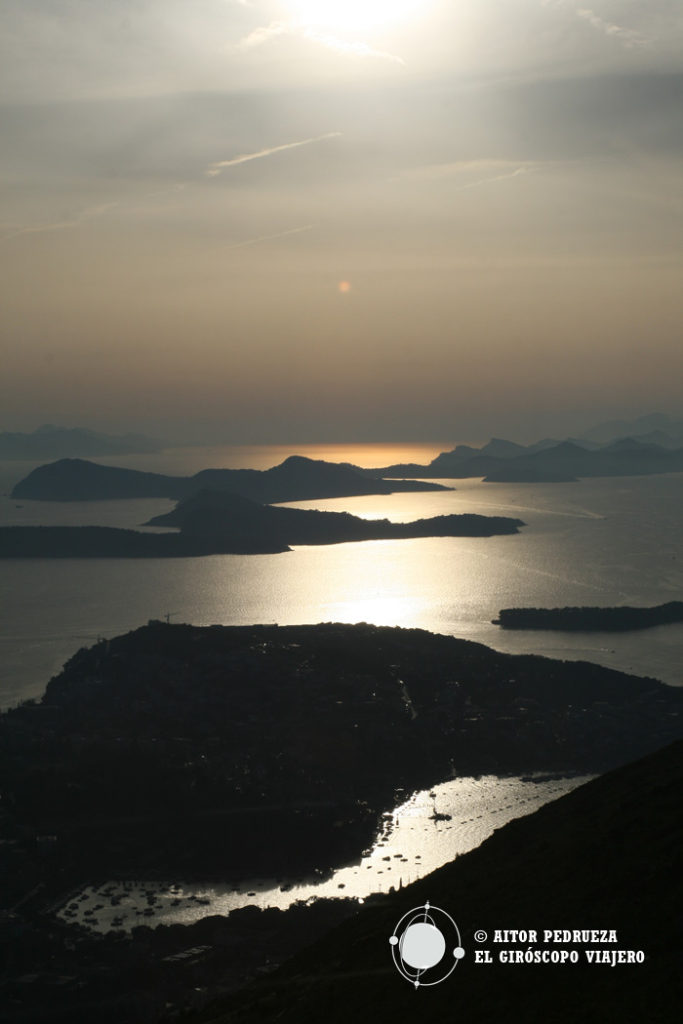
<point>602,542</point>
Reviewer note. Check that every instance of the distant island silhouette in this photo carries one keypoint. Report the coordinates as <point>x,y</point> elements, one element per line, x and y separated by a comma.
<point>620,619</point>
<point>51,442</point>
<point>299,478</point>
<point>296,479</point>
<point>214,522</point>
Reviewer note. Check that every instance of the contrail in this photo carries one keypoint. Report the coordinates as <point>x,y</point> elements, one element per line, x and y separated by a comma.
<point>220,165</point>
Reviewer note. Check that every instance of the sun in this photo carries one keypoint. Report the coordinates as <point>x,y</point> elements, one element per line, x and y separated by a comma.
<point>352,15</point>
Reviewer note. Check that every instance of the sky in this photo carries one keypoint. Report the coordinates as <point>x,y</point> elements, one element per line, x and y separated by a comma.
<point>311,221</point>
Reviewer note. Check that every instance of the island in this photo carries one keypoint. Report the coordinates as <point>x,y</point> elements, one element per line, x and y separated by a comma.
<point>215,522</point>
<point>296,479</point>
<point>603,620</point>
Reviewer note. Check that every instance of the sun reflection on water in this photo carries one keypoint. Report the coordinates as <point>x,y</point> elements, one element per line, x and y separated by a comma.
<point>425,832</point>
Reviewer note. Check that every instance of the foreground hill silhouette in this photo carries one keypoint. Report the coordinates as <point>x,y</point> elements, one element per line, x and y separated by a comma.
<point>607,856</point>
<point>171,733</point>
<point>214,522</point>
<point>296,479</point>
<point>228,752</point>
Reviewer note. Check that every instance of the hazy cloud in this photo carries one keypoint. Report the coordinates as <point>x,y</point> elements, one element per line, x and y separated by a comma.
<point>52,49</point>
<point>264,34</point>
<point>533,223</point>
<point>626,36</point>
<point>354,48</point>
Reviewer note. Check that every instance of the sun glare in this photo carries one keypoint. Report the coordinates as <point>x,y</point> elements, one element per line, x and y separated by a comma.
<point>347,15</point>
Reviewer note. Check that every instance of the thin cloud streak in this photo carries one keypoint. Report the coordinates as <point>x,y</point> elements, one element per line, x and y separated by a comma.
<point>268,238</point>
<point>171,190</point>
<point>220,165</point>
<point>13,231</point>
<point>90,213</point>
<point>497,177</point>
<point>499,170</point>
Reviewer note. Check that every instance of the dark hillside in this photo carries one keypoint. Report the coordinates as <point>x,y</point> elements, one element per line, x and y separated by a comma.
<point>607,857</point>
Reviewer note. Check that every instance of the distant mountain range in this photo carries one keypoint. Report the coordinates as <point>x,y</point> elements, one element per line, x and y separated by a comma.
<point>656,427</point>
<point>50,442</point>
<point>302,479</point>
<point>649,444</point>
<point>544,462</point>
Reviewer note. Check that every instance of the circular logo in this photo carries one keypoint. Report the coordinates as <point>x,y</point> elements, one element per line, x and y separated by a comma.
<point>425,946</point>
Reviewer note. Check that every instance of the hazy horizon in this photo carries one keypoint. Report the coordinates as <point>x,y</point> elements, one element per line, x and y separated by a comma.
<point>410,448</point>
<point>293,222</point>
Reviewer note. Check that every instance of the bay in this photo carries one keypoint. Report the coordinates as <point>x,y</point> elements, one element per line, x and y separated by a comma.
<point>419,836</point>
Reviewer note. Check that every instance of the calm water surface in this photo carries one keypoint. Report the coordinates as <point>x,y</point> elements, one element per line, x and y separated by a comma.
<point>596,542</point>
<point>411,844</point>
